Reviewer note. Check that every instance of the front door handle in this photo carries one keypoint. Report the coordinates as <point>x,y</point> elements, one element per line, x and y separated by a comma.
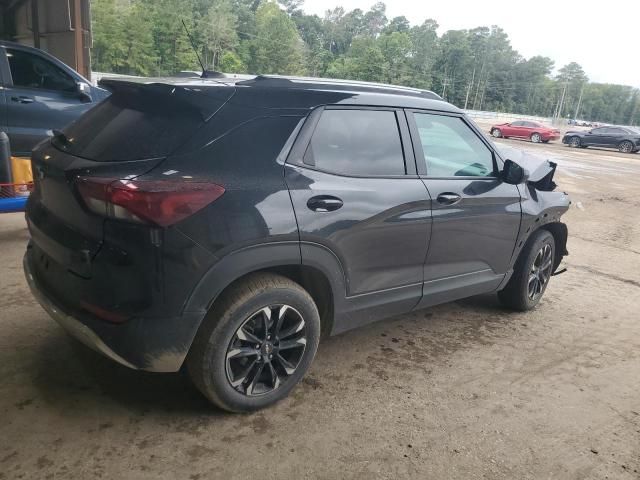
<point>448,198</point>
<point>324,203</point>
<point>23,99</point>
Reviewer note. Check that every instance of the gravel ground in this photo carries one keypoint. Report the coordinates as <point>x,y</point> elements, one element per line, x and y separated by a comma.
<point>464,390</point>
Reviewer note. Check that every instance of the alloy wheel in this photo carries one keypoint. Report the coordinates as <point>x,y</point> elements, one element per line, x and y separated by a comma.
<point>575,142</point>
<point>496,133</point>
<point>535,138</point>
<point>265,350</point>
<point>540,272</point>
<point>626,147</point>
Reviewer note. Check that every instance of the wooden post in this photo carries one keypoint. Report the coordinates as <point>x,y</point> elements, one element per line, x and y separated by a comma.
<point>78,31</point>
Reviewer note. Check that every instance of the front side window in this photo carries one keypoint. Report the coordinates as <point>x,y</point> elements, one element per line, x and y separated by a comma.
<point>517,124</point>
<point>357,142</point>
<point>451,148</point>
<point>32,71</point>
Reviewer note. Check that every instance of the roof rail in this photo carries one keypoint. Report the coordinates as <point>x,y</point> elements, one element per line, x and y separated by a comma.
<point>282,80</point>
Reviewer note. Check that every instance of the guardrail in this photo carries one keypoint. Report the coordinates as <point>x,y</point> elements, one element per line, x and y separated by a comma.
<point>506,116</point>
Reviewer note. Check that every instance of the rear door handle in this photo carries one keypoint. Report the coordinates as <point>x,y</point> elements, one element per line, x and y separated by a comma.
<point>324,203</point>
<point>23,99</point>
<point>448,198</point>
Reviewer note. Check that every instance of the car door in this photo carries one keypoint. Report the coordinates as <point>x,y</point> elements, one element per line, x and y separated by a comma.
<point>614,137</point>
<point>514,129</point>
<point>476,216</point>
<point>598,137</point>
<point>356,195</point>
<point>525,130</point>
<point>40,97</point>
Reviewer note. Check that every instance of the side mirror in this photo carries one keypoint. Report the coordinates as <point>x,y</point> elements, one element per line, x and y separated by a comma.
<point>84,91</point>
<point>514,174</point>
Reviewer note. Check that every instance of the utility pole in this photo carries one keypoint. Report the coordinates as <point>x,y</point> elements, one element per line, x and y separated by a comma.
<point>579,101</point>
<point>469,87</point>
<point>561,104</point>
<point>444,86</point>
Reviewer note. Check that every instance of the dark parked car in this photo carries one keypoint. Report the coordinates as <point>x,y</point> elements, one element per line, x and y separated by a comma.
<point>229,225</point>
<point>626,140</point>
<point>39,94</point>
<point>534,131</point>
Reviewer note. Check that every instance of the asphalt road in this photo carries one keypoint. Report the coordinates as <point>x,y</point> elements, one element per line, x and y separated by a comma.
<point>464,390</point>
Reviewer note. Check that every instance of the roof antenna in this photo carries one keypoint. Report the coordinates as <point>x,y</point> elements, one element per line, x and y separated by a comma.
<point>204,70</point>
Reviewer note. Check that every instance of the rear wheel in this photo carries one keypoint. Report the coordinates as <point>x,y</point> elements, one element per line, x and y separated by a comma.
<point>496,133</point>
<point>625,147</point>
<point>256,344</point>
<point>574,142</point>
<point>536,138</point>
<point>531,273</point>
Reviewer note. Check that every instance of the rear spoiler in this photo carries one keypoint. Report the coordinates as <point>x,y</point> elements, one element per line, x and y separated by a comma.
<point>206,99</point>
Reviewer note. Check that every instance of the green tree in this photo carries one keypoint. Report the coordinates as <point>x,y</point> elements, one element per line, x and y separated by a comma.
<point>218,31</point>
<point>276,47</point>
<point>396,50</point>
<point>231,63</point>
<point>363,61</point>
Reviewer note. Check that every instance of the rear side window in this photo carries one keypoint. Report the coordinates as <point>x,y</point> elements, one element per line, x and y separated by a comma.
<point>357,142</point>
<point>131,125</point>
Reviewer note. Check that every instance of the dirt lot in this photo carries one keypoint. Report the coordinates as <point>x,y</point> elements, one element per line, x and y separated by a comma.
<point>465,390</point>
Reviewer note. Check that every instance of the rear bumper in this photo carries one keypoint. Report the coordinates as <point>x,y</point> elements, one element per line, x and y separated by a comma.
<point>152,344</point>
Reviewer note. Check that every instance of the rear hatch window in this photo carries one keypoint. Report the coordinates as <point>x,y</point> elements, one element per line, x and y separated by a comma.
<point>140,121</point>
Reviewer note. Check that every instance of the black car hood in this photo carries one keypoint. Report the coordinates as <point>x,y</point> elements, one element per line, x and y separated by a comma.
<point>540,170</point>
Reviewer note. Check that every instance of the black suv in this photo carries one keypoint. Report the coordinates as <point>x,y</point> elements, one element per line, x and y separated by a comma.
<point>228,224</point>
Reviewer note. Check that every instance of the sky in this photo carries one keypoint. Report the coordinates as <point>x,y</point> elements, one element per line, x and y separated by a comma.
<point>602,36</point>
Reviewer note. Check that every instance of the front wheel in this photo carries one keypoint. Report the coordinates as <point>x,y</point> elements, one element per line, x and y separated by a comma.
<point>496,133</point>
<point>625,147</point>
<point>574,142</point>
<point>256,344</point>
<point>531,273</point>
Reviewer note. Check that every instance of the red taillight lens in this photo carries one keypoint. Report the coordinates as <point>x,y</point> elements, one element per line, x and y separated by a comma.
<point>160,202</point>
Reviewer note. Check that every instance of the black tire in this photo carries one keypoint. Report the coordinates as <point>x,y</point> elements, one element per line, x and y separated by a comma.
<point>575,142</point>
<point>496,133</point>
<point>516,294</point>
<point>626,147</point>
<point>209,364</point>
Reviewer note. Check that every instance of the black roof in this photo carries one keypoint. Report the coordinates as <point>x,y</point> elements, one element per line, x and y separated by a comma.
<point>311,91</point>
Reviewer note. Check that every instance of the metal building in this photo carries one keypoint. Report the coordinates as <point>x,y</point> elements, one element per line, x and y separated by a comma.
<point>60,27</point>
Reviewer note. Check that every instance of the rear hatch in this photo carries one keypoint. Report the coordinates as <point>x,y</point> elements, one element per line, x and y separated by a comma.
<point>125,136</point>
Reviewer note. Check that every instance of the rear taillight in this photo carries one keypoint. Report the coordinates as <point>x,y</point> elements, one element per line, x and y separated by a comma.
<point>159,202</point>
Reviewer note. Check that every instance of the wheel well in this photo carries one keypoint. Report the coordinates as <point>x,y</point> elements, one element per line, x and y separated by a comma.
<point>560,233</point>
<point>312,280</point>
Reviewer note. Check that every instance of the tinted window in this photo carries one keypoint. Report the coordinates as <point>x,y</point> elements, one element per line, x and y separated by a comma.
<point>600,131</point>
<point>32,71</point>
<point>517,124</point>
<point>616,131</point>
<point>357,142</point>
<point>451,148</point>
<point>131,125</point>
